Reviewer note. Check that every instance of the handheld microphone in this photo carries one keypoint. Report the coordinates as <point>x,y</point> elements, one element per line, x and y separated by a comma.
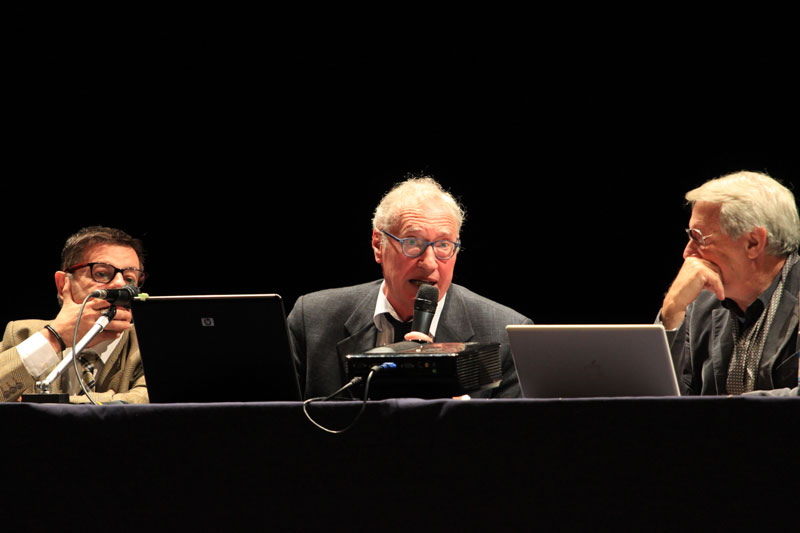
<point>123,296</point>
<point>424,308</point>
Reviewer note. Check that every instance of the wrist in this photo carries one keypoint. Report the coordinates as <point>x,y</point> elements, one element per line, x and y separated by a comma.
<point>55,339</point>
<point>671,317</point>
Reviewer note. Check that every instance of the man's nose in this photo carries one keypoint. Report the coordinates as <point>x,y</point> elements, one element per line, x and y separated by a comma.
<point>118,282</point>
<point>428,258</point>
<point>690,250</point>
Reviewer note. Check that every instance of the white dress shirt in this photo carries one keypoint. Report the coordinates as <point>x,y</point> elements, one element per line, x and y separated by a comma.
<point>385,328</point>
<point>39,358</point>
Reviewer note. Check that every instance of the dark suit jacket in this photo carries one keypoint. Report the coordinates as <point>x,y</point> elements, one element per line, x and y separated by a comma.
<point>702,346</point>
<point>327,325</point>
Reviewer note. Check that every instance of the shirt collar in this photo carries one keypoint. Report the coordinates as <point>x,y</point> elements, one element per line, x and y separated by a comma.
<point>755,309</point>
<point>103,349</point>
<point>383,306</point>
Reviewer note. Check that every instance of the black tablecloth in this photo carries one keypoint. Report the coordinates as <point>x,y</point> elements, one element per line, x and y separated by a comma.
<point>594,464</point>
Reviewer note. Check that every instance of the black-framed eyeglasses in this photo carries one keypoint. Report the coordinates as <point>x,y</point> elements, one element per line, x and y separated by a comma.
<point>413,247</point>
<point>105,273</point>
<point>697,237</point>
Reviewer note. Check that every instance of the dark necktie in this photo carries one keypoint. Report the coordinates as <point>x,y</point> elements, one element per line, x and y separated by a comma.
<point>400,328</point>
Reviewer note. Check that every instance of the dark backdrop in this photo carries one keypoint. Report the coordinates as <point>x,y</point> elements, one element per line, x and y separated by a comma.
<point>248,150</point>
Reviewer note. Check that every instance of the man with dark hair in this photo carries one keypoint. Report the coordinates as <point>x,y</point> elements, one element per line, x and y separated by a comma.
<point>93,258</point>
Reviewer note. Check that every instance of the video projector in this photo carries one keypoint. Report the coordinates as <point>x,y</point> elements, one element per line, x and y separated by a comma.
<point>435,370</point>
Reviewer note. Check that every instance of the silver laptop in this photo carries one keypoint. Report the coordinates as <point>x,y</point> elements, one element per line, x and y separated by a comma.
<point>589,361</point>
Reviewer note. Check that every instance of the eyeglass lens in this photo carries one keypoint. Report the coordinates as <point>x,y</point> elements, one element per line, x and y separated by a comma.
<point>441,249</point>
<point>696,236</point>
<point>104,273</point>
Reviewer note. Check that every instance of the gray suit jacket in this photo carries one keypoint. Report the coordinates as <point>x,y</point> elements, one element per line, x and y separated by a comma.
<point>702,346</point>
<point>122,377</point>
<point>326,326</point>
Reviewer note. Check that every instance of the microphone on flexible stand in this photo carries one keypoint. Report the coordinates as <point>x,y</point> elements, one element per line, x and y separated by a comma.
<point>123,296</point>
<point>101,323</point>
<point>43,387</point>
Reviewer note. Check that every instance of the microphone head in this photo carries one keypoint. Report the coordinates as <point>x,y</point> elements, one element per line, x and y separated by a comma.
<point>132,289</point>
<point>427,298</point>
<point>122,296</point>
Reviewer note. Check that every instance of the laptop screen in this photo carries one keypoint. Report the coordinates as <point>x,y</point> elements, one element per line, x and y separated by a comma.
<point>584,361</point>
<point>223,348</point>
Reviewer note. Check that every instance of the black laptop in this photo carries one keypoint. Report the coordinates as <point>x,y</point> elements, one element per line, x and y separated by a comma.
<point>221,348</point>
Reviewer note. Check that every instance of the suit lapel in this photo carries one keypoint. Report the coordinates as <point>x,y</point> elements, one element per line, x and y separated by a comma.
<point>361,331</point>
<point>112,366</point>
<point>783,326</point>
<point>454,324</point>
<point>721,347</point>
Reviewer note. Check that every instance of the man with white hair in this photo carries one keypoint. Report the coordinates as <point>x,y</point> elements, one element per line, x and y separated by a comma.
<point>415,239</point>
<point>731,311</point>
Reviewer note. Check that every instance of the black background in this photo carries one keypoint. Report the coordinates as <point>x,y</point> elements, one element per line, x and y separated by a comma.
<point>249,148</point>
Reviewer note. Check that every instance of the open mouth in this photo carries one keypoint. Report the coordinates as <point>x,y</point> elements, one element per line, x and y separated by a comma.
<point>418,282</point>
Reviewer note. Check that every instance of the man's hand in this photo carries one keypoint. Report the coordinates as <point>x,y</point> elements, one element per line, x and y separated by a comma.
<point>695,275</point>
<point>64,323</point>
<point>417,336</point>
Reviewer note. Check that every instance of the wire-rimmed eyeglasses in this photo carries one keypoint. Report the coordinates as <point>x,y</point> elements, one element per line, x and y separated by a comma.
<point>414,247</point>
<point>697,237</point>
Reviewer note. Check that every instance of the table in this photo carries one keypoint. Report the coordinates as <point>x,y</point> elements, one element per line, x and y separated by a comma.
<point>619,464</point>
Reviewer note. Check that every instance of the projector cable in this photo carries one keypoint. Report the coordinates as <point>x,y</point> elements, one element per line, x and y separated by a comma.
<point>356,380</point>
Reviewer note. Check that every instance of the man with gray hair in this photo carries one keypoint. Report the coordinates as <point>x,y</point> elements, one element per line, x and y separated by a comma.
<point>415,240</point>
<point>731,311</point>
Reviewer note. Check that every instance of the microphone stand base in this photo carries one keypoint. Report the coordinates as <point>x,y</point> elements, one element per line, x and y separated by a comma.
<point>46,398</point>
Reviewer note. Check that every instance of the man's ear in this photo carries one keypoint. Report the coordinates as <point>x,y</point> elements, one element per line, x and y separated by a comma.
<point>377,250</point>
<point>756,242</point>
<point>61,283</point>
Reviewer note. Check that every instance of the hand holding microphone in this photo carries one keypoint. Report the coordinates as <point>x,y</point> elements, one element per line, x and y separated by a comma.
<point>120,315</point>
<point>123,296</point>
<point>64,323</point>
<point>424,310</point>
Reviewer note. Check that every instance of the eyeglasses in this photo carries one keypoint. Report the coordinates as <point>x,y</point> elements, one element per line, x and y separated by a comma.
<point>697,237</point>
<point>105,273</point>
<point>413,247</point>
